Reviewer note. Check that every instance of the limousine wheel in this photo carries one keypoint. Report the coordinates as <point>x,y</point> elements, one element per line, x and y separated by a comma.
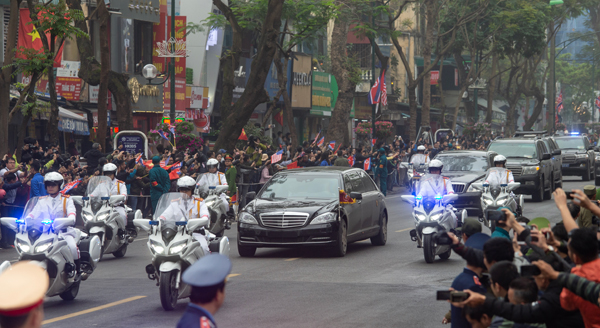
<point>341,246</point>
<point>246,251</point>
<point>381,237</point>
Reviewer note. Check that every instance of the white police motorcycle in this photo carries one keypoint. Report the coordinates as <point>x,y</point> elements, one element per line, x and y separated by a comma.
<point>176,243</point>
<point>494,197</point>
<point>218,208</point>
<point>433,215</point>
<point>100,217</point>
<point>414,173</point>
<point>39,240</point>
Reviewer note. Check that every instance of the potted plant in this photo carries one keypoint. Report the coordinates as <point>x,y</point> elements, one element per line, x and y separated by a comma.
<point>383,129</point>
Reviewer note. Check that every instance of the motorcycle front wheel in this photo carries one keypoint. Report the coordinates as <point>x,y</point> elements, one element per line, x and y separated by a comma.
<point>168,290</point>
<point>428,248</point>
<point>71,293</point>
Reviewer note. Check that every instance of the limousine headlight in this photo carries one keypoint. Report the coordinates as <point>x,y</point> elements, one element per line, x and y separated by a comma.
<point>247,218</point>
<point>324,218</point>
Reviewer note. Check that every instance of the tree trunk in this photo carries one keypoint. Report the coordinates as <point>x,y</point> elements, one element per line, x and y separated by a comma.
<point>537,110</point>
<point>90,73</point>
<point>236,116</point>
<point>412,104</point>
<point>427,47</point>
<point>463,89</point>
<point>492,89</point>
<point>104,69</point>
<point>442,100</point>
<point>26,93</point>
<point>22,132</point>
<point>287,102</point>
<point>6,71</point>
<point>52,126</point>
<point>271,108</point>
<point>338,125</point>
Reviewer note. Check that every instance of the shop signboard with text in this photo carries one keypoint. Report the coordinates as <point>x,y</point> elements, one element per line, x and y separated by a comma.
<point>301,81</point>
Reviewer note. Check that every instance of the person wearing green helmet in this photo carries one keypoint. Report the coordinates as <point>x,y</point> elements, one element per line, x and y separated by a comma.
<point>381,171</point>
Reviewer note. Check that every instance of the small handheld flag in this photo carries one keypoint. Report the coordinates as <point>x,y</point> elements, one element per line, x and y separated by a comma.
<point>373,141</point>
<point>351,160</point>
<point>277,156</point>
<point>332,145</point>
<point>70,186</point>
<point>321,141</point>
<point>317,137</point>
<point>163,135</point>
<point>293,165</point>
<point>139,160</point>
<point>367,165</point>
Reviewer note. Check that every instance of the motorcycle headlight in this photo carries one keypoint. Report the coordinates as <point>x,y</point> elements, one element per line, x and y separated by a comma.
<point>23,247</point>
<point>436,216</point>
<point>581,155</point>
<point>527,170</point>
<point>158,249</point>
<point>102,217</point>
<point>87,217</point>
<point>43,247</point>
<point>598,157</point>
<point>420,216</point>
<point>177,247</point>
<point>487,201</point>
<point>245,217</point>
<point>502,201</point>
<point>324,218</point>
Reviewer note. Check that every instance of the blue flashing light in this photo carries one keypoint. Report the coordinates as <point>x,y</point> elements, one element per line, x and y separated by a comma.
<point>486,185</point>
<point>419,197</point>
<point>212,187</point>
<point>153,223</point>
<point>85,198</point>
<point>438,197</point>
<point>503,185</point>
<point>105,198</point>
<point>20,221</point>
<point>574,133</point>
<point>46,221</point>
<point>180,223</point>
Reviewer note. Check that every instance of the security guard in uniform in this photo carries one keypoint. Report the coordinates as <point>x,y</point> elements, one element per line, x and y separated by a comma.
<point>207,277</point>
<point>118,188</point>
<point>381,171</point>
<point>23,287</point>
<point>212,177</point>
<point>420,157</point>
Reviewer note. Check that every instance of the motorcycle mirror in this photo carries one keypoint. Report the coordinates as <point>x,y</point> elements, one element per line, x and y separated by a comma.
<point>449,198</point>
<point>116,199</point>
<point>142,224</point>
<point>62,223</point>
<point>512,186</point>
<point>194,224</point>
<point>78,200</point>
<point>477,185</point>
<point>409,199</point>
<point>10,223</point>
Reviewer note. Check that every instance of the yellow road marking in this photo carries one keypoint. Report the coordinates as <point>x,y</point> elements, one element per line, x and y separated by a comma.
<point>292,259</point>
<point>232,275</point>
<point>403,230</point>
<point>98,308</point>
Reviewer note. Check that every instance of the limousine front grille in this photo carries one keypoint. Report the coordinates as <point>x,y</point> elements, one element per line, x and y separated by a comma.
<point>284,219</point>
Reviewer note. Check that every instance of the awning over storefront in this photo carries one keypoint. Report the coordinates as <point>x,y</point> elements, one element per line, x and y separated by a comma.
<point>71,122</point>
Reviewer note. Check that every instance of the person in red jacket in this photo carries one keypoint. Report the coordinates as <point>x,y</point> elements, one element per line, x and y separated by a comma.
<point>583,250</point>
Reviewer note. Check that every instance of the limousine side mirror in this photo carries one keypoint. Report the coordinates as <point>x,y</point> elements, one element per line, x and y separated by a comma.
<point>356,195</point>
<point>546,156</point>
<point>251,195</point>
<point>557,152</point>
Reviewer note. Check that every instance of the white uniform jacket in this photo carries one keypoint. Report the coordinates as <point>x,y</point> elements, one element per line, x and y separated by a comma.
<point>497,176</point>
<point>60,206</point>
<point>419,159</point>
<point>187,209</point>
<point>211,179</point>
<point>432,185</point>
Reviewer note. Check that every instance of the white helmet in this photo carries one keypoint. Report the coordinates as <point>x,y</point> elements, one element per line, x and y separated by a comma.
<point>186,182</point>
<point>436,164</point>
<point>421,148</point>
<point>499,159</point>
<point>212,163</point>
<point>53,178</point>
<point>109,168</point>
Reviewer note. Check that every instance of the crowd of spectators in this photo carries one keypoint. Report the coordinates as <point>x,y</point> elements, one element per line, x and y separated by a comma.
<point>535,275</point>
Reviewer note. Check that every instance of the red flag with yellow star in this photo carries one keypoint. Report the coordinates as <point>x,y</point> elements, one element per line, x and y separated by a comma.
<point>30,38</point>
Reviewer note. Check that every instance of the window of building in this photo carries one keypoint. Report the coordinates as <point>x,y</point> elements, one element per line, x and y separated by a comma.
<point>143,45</point>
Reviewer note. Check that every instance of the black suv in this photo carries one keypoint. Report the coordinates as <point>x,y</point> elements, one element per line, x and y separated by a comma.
<point>552,148</point>
<point>578,156</point>
<point>531,164</point>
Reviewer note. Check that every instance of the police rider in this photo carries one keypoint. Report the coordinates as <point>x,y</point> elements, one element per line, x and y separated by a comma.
<point>117,188</point>
<point>58,205</point>
<point>188,207</point>
<point>499,175</point>
<point>420,157</point>
<point>212,177</point>
<point>434,184</point>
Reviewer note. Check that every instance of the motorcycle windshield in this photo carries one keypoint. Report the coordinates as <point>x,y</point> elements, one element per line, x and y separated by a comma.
<point>36,215</point>
<point>171,207</point>
<point>428,204</point>
<point>98,187</point>
<point>168,231</point>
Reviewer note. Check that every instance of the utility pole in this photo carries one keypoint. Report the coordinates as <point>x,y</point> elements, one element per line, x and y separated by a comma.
<point>476,91</point>
<point>172,68</point>
<point>552,90</point>
<point>372,83</point>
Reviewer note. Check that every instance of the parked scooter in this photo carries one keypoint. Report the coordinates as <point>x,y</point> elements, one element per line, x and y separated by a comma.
<point>176,243</point>
<point>100,217</point>
<point>432,216</point>
<point>218,207</point>
<point>493,197</point>
<point>40,240</point>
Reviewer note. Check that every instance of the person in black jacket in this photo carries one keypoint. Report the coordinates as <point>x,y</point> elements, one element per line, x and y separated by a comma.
<point>93,155</point>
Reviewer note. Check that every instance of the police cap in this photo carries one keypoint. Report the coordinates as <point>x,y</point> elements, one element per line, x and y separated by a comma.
<point>589,190</point>
<point>23,288</point>
<point>208,271</point>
